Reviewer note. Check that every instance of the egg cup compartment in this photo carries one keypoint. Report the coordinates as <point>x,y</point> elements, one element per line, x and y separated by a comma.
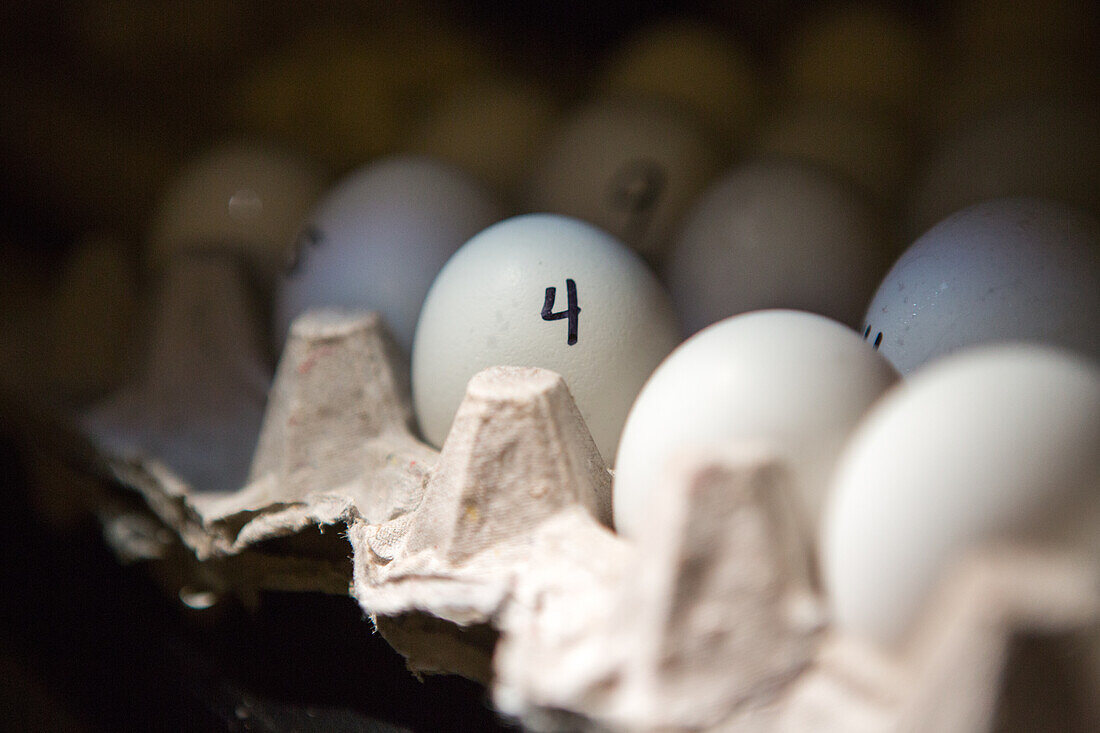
<point>492,558</point>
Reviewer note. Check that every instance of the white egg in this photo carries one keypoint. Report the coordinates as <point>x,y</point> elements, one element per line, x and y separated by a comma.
<point>1003,270</point>
<point>547,291</point>
<point>776,235</point>
<point>377,240</point>
<point>979,445</point>
<point>795,380</point>
<point>630,169</point>
<point>242,197</point>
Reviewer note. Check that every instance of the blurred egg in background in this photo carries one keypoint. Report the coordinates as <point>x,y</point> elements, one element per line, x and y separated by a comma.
<point>777,235</point>
<point>376,240</point>
<point>239,197</point>
<point>782,154</point>
<point>631,168</point>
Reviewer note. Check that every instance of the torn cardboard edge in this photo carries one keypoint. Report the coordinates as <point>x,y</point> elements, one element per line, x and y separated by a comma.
<point>491,558</point>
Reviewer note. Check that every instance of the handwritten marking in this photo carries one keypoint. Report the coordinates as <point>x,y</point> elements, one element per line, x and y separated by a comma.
<point>572,310</point>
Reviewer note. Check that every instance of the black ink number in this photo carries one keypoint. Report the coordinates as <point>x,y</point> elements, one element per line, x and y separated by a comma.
<point>878,337</point>
<point>572,310</point>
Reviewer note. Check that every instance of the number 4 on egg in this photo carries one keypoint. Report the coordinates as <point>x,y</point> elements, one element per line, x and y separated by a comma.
<point>572,310</point>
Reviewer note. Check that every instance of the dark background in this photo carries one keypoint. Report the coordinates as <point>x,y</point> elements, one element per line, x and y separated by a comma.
<point>103,103</point>
<point>93,118</point>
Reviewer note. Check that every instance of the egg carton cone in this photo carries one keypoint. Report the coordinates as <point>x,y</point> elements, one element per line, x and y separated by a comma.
<point>493,557</point>
<point>183,438</point>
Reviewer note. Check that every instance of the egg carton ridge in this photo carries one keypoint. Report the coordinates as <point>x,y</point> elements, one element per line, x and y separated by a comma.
<point>493,557</point>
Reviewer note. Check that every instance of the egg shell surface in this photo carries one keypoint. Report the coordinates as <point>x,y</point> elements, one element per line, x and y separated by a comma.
<point>994,442</point>
<point>379,237</point>
<point>631,169</point>
<point>1002,270</point>
<point>797,381</point>
<point>240,196</point>
<point>773,234</point>
<point>487,308</point>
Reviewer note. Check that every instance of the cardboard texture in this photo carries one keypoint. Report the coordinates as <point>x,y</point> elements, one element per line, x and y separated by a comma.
<point>492,558</point>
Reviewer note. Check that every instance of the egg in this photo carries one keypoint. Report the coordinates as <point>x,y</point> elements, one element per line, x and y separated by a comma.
<point>546,291</point>
<point>1008,269</point>
<point>996,442</point>
<point>240,197</point>
<point>776,235</point>
<point>690,66</point>
<point>491,127</point>
<point>796,381</point>
<point>379,237</point>
<point>348,94</point>
<point>630,169</point>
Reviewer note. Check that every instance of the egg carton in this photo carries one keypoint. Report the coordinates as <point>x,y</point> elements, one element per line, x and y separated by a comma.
<point>493,558</point>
